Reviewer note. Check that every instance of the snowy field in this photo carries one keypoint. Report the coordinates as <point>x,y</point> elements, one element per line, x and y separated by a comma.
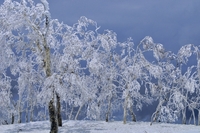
<point>100,127</point>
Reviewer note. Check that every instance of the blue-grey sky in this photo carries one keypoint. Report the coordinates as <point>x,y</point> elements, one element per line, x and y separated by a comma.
<point>171,22</point>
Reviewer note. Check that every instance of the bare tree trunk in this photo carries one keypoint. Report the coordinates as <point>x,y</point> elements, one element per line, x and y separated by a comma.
<point>198,117</point>
<point>19,113</point>
<point>13,116</point>
<point>31,112</point>
<point>52,117</point>
<point>156,113</point>
<point>47,66</point>
<point>31,103</point>
<point>194,116</point>
<point>47,62</point>
<point>27,109</point>
<point>184,116</point>
<point>19,119</point>
<point>59,110</point>
<point>12,119</point>
<point>78,112</point>
<point>132,114</point>
<point>125,114</point>
<point>70,115</point>
<point>27,114</point>
<point>189,121</point>
<point>109,108</point>
<point>125,109</point>
<point>66,111</point>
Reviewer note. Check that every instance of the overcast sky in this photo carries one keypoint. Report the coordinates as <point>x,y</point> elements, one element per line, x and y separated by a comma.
<point>171,22</point>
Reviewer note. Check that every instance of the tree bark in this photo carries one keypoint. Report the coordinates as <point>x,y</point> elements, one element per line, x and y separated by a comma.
<point>70,115</point>
<point>125,109</point>
<point>31,113</point>
<point>132,114</point>
<point>158,109</point>
<point>59,110</point>
<point>27,115</point>
<point>109,108</point>
<point>47,62</point>
<point>184,116</point>
<point>198,117</point>
<point>79,110</point>
<point>47,67</point>
<point>19,113</point>
<point>125,114</point>
<point>12,118</point>
<point>194,116</point>
<point>52,117</point>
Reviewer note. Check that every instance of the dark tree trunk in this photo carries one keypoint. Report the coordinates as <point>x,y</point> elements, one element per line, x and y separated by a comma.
<point>27,115</point>
<point>184,116</point>
<point>59,117</point>
<point>19,119</point>
<point>132,114</point>
<point>52,117</point>
<point>13,119</point>
<point>108,111</point>
<point>198,117</point>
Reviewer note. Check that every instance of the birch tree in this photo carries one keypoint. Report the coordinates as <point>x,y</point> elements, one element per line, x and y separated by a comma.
<point>30,35</point>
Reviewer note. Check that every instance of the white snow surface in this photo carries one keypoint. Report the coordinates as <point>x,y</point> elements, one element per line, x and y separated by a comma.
<point>100,127</point>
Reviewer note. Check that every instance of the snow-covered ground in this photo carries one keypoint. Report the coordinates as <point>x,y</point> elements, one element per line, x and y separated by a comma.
<point>100,127</point>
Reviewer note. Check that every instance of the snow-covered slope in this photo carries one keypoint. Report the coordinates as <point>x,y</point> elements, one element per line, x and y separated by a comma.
<point>100,127</point>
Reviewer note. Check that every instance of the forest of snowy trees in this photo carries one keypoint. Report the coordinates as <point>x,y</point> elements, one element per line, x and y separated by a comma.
<point>90,75</point>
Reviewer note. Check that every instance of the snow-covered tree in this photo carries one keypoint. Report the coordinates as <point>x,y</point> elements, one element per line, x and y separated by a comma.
<point>161,72</point>
<point>28,32</point>
<point>89,73</point>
